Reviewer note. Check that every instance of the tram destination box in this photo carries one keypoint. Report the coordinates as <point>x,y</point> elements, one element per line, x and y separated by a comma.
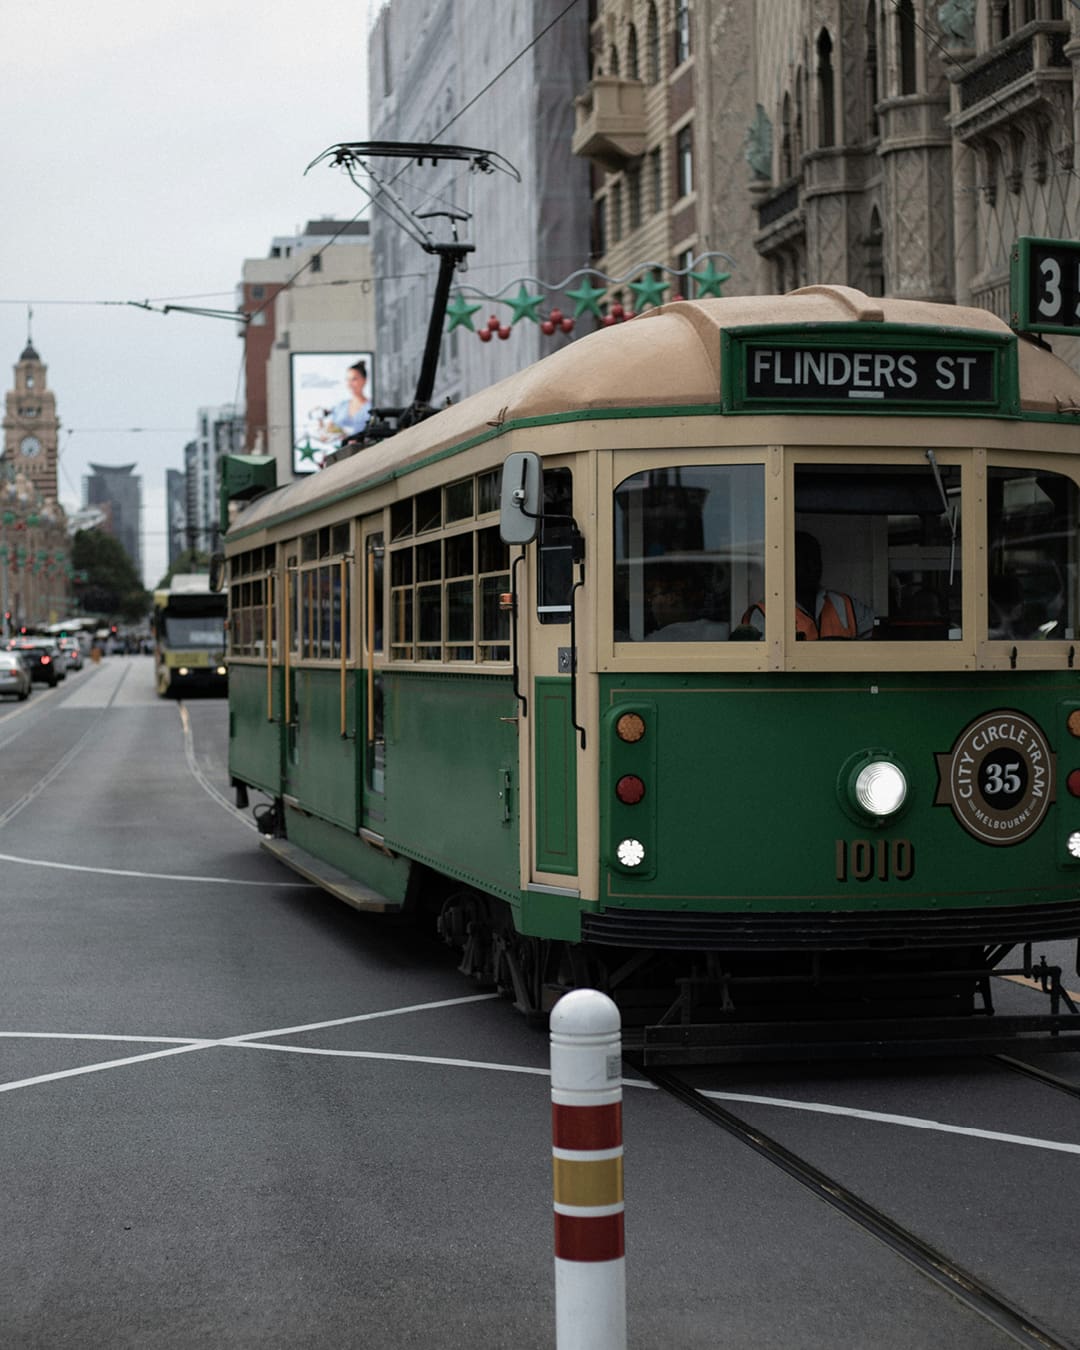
<point>841,367</point>
<point>1044,284</point>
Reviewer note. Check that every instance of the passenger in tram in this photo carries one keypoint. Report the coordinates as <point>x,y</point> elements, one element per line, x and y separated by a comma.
<point>819,612</point>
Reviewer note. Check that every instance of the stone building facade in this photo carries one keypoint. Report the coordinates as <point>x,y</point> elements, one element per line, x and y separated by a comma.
<point>35,551</point>
<point>898,146</point>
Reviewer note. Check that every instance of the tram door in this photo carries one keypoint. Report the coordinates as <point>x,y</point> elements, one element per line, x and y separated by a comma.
<point>371,738</point>
<point>552,685</point>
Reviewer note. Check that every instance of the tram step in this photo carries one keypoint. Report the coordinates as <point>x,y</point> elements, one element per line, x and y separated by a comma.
<point>330,878</point>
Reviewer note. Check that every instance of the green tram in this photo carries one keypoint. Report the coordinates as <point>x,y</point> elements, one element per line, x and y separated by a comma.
<point>548,663</point>
<point>189,637</point>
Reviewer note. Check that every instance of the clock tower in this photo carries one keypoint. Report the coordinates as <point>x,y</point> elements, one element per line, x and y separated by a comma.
<point>31,428</point>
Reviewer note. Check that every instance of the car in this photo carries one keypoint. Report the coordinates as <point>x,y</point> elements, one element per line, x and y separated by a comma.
<point>15,676</point>
<point>73,652</point>
<point>43,656</point>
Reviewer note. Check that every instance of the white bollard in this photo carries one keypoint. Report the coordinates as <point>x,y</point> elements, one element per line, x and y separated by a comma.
<point>587,1162</point>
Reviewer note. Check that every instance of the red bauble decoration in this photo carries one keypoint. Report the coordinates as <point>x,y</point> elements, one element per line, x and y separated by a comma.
<point>608,321</point>
<point>616,310</point>
<point>567,325</point>
<point>493,323</point>
<point>628,312</point>
<point>547,328</point>
<point>504,333</point>
<point>556,316</point>
<point>674,298</point>
<point>484,334</point>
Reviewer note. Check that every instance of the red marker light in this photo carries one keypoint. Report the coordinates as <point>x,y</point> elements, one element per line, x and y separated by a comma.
<point>630,789</point>
<point>1073,782</point>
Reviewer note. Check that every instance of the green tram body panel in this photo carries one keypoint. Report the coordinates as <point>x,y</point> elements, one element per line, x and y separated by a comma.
<point>746,807</point>
<point>451,789</point>
<point>322,765</point>
<point>255,743</point>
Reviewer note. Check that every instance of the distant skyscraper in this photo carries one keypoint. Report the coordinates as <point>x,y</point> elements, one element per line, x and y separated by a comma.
<point>176,513</point>
<point>117,488</point>
<point>220,432</point>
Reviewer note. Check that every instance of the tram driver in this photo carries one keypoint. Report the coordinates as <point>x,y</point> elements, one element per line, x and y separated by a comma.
<point>819,612</point>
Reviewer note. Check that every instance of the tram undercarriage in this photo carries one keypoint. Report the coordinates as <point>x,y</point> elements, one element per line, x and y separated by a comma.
<point>714,1007</point>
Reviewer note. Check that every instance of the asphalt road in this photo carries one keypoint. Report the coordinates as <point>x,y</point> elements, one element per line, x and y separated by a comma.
<point>237,1113</point>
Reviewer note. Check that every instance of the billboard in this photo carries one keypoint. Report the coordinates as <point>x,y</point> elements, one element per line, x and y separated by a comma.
<point>331,401</point>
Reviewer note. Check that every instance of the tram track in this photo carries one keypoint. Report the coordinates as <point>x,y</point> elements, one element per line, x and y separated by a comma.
<point>974,1293</point>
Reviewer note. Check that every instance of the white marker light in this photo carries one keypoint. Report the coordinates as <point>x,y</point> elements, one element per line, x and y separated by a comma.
<point>1073,843</point>
<point>881,788</point>
<point>630,852</point>
<point>182,671</point>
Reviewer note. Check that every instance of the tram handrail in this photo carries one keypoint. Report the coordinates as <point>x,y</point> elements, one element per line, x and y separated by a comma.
<point>270,646</point>
<point>344,646</point>
<point>370,634</point>
<point>286,665</point>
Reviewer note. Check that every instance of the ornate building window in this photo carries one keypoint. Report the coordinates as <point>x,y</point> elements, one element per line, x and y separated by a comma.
<point>905,21</point>
<point>870,71</point>
<point>682,31</point>
<point>684,161</point>
<point>826,91</point>
<point>652,46</point>
<point>633,68</point>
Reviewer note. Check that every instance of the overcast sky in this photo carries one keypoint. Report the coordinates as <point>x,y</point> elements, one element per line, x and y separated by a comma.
<point>147,151</point>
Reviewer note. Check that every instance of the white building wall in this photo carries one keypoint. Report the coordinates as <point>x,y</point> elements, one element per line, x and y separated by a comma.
<point>429,58</point>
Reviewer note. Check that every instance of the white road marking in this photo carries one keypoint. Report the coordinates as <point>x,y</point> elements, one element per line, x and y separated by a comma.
<point>884,1118</point>
<point>201,778</point>
<point>403,1059</point>
<point>109,1064</point>
<point>149,876</point>
<point>42,783</point>
<point>256,1040</point>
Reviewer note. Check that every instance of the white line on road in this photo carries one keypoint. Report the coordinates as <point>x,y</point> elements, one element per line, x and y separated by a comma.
<point>256,1040</point>
<point>152,876</point>
<point>884,1118</point>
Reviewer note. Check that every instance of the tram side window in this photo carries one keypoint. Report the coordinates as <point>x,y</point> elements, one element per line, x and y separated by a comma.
<point>248,603</point>
<point>889,543</point>
<point>1032,522</point>
<point>445,588</point>
<point>555,566</point>
<point>689,553</point>
<point>321,603</point>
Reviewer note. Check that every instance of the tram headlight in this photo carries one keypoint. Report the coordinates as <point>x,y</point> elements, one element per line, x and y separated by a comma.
<point>880,788</point>
<point>183,670</point>
<point>631,852</point>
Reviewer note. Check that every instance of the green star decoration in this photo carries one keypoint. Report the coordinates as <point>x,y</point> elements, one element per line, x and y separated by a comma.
<point>709,280</point>
<point>307,451</point>
<point>460,313</point>
<point>649,290</point>
<point>525,306</point>
<point>586,299</point>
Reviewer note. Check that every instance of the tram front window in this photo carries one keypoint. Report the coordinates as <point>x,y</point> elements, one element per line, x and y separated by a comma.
<point>889,541</point>
<point>1032,522</point>
<point>689,552</point>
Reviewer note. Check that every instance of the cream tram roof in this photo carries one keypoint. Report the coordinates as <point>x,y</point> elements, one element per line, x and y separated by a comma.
<point>669,355</point>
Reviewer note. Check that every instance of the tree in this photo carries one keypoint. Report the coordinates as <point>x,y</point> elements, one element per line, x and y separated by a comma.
<point>112,586</point>
<point>191,560</point>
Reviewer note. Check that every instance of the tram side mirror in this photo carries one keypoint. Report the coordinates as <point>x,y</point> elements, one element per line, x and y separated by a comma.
<point>217,572</point>
<point>520,498</point>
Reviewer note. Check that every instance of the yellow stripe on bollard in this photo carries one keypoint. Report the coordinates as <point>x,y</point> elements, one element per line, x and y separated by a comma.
<point>584,1184</point>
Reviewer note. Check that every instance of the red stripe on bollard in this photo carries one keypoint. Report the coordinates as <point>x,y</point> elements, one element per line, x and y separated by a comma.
<point>592,1239</point>
<point>588,1127</point>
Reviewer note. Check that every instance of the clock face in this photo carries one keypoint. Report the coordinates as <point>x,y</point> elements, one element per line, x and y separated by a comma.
<point>30,445</point>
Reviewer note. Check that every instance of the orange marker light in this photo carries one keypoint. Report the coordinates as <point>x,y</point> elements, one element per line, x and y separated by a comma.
<point>630,728</point>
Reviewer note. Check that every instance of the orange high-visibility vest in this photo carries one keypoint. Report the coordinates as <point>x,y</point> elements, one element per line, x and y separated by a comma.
<point>829,623</point>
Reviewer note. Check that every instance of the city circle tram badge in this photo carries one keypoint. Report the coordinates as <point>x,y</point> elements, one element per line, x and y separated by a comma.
<point>998,777</point>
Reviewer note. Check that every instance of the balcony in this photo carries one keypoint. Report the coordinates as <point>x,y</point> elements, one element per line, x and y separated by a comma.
<point>1023,87</point>
<point>609,122</point>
